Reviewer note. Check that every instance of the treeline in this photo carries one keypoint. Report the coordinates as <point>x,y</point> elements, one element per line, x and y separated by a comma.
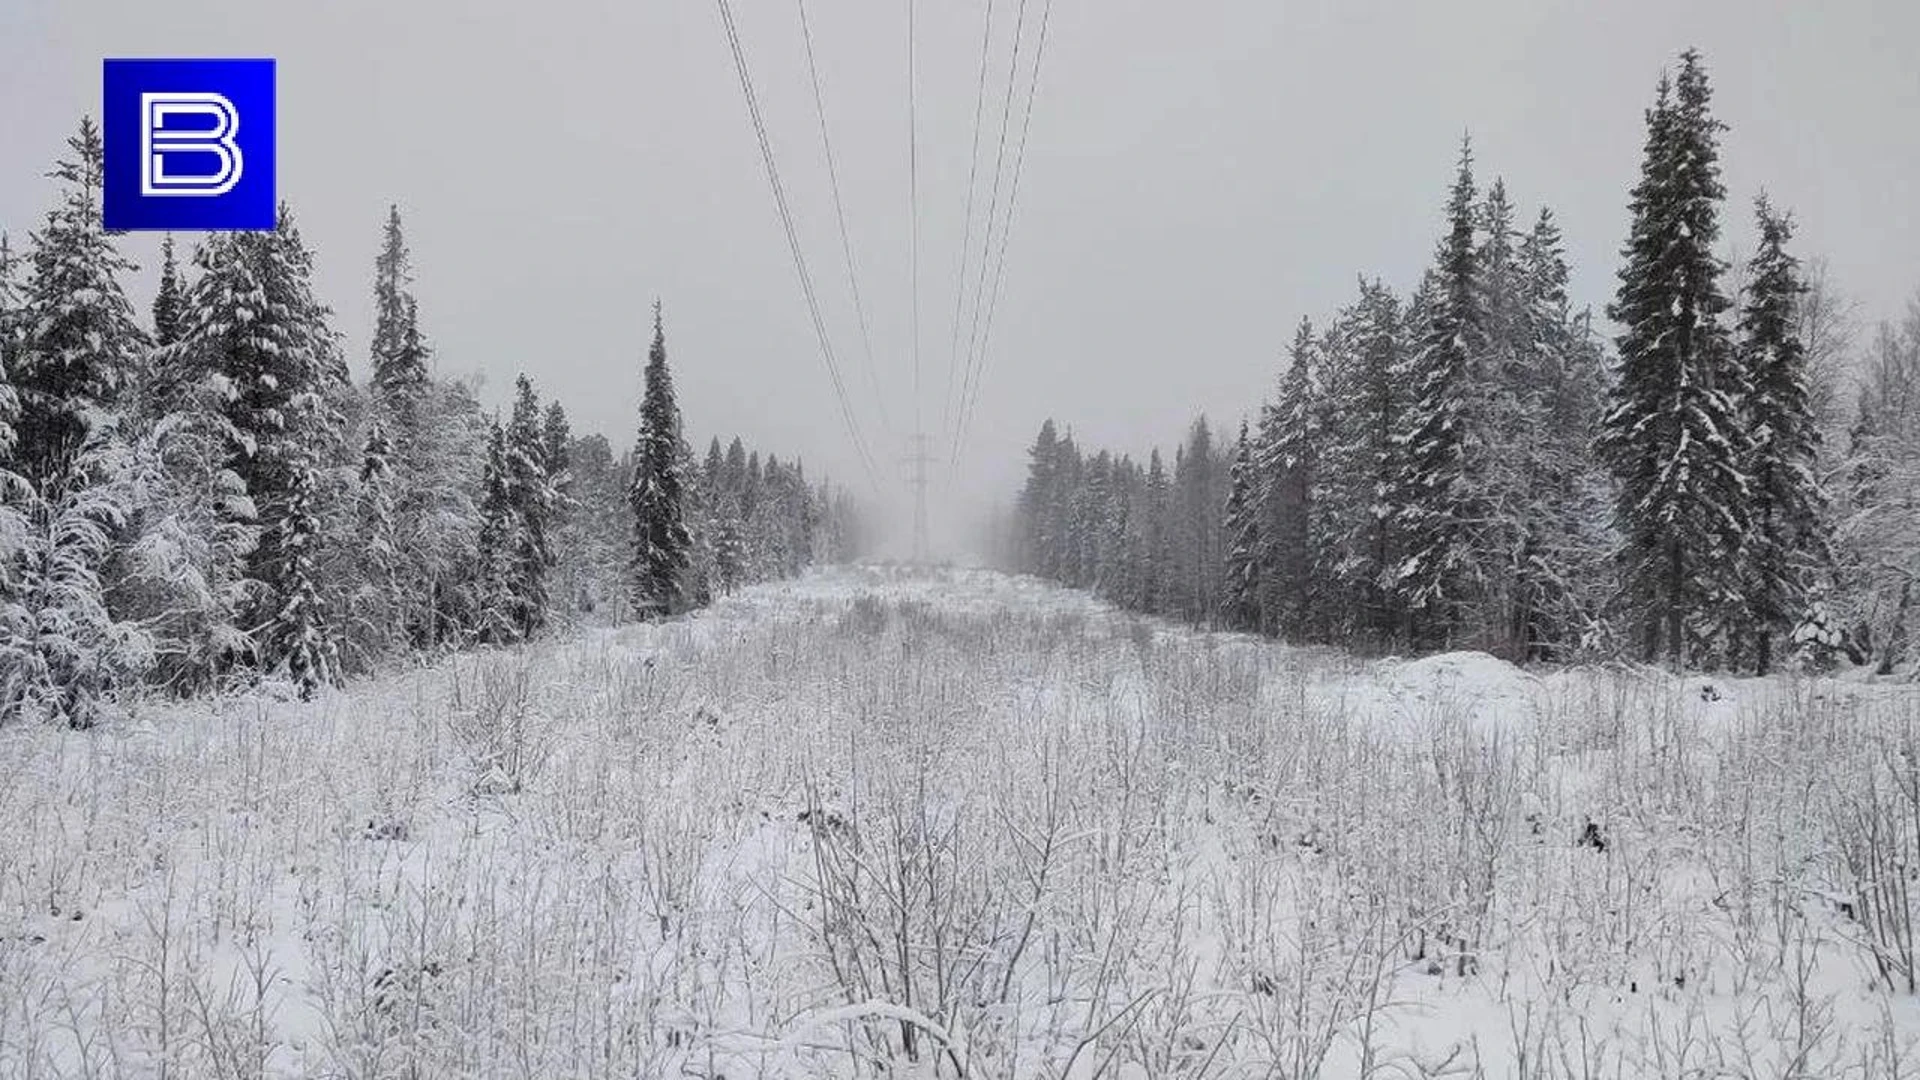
<point>1471,466</point>
<point>206,499</point>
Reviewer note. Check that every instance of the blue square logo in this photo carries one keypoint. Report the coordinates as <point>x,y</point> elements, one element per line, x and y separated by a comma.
<point>189,144</point>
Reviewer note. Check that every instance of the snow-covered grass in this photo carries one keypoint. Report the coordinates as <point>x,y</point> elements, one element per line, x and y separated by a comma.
<point>916,823</point>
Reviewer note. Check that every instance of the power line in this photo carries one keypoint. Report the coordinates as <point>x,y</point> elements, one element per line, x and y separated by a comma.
<point>913,208</point>
<point>949,414</point>
<point>793,243</point>
<point>840,214</point>
<point>993,204</point>
<point>971,398</point>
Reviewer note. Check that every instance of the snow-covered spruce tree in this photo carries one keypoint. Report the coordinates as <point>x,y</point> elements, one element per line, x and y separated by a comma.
<point>298,637</point>
<point>75,348</point>
<point>438,434</point>
<point>493,620</point>
<point>1438,497</point>
<point>1241,604</point>
<point>399,356</point>
<point>283,372</point>
<point>658,493</point>
<point>1200,484</point>
<point>1787,549</point>
<point>377,626</point>
<point>17,654</point>
<point>183,570</point>
<point>1037,501</point>
<point>531,495</point>
<point>81,346</point>
<point>1286,463</point>
<point>556,450</point>
<point>729,546</point>
<point>1157,534</point>
<point>1672,433</point>
<point>169,303</point>
<point>1363,411</point>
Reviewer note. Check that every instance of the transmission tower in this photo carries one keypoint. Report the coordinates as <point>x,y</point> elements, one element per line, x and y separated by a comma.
<point>917,461</point>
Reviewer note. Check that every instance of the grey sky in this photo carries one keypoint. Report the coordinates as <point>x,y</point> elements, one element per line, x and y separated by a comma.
<point>1201,174</point>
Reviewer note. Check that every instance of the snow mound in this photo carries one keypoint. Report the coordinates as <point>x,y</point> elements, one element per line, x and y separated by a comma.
<point>1483,687</point>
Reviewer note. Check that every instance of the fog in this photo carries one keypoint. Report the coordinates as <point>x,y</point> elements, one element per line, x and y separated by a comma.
<point>1199,176</point>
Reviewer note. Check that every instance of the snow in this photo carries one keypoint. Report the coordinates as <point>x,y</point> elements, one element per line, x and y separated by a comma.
<point>1035,835</point>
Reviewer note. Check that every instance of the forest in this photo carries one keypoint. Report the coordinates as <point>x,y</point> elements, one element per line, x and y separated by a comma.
<point>205,500</point>
<point>1731,482</point>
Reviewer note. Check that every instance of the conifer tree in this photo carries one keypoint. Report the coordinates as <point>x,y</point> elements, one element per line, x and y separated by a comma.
<point>376,604</point>
<point>169,301</point>
<point>1439,502</point>
<point>1157,572</point>
<point>1566,578</point>
<point>1671,434</point>
<point>1787,544</point>
<point>399,357</point>
<point>531,497</point>
<point>1363,411</point>
<point>494,621</point>
<point>1286,463</point>
<point>658,493</point>
<point>74,348</point>
<point>297,637</point>
<point>81,347</point>
<point>1242,588</point>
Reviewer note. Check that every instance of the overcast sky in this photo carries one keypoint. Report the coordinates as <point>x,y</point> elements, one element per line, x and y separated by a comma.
<point>1201,173</point>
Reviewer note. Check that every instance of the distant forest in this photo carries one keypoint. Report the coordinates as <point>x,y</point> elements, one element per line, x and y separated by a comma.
<point>1730,483</point>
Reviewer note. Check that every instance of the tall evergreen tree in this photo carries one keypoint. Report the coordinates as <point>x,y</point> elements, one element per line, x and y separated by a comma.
<point>1286,463</point>
<point>1242,589</point>
<point>532,498</point>
<point>75,347</point>
<point>81,346</point>
<point>1440,501</point>
<point>495,620</point>
<point>1787,544</point>
<point>1672,430</point>
<point>658,493</point>
<point>399,357</point>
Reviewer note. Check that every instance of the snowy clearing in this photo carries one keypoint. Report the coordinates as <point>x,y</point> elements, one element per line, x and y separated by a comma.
<point>881,821</point>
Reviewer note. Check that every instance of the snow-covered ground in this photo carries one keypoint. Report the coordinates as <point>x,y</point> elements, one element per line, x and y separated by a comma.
<point>915,823</point>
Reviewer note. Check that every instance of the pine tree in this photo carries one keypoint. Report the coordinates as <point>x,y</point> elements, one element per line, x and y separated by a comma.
<point>169,302</point>
<point>658,493</point>
<point>1787,544</point>
<point>1671,434</point>
<point>1439,503</point>
<point>1243,559</point>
